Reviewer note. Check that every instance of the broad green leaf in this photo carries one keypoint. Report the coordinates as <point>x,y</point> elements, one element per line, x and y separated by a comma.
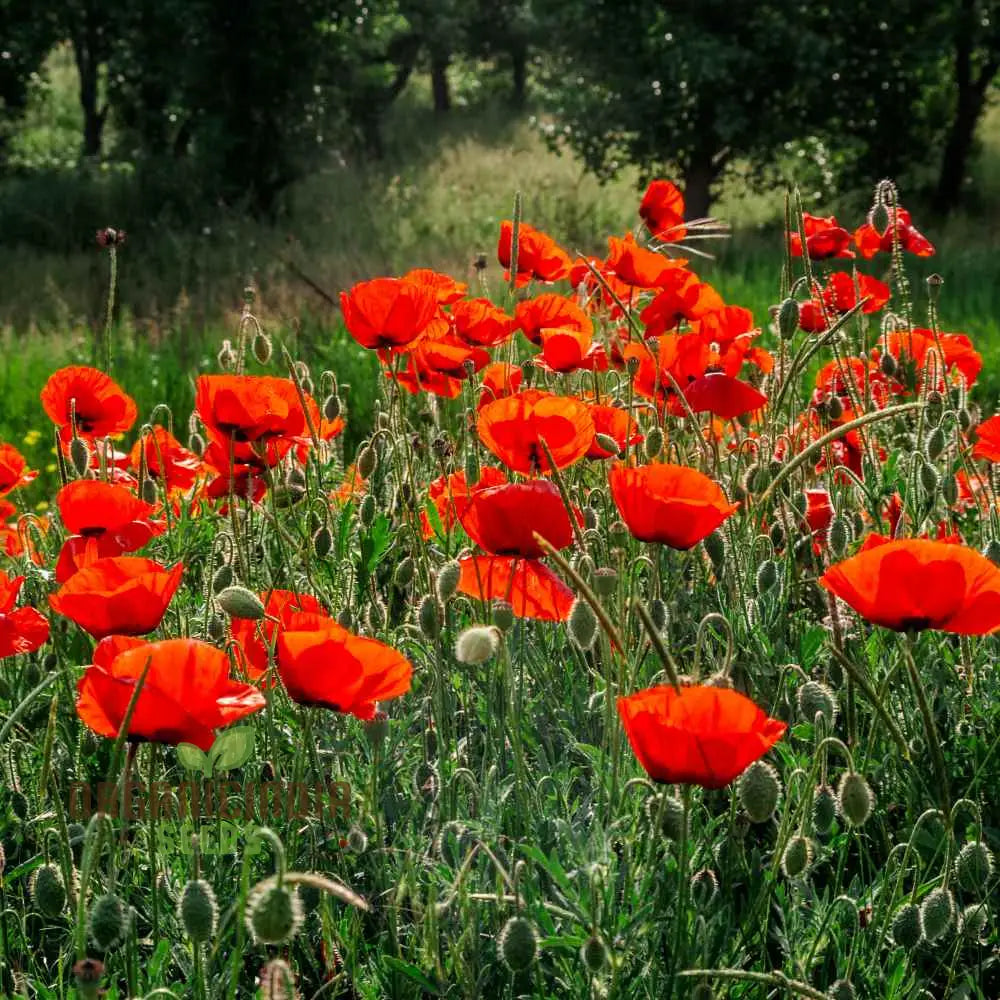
<point>192,758</point>
<point>231,749</point>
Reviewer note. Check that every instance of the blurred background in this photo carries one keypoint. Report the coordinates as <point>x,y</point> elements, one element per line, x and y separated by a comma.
<point>301,145</point>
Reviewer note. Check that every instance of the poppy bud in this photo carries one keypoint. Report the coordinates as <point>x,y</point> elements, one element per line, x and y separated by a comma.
<point>653,444</point>
<point>608,443</point>
<point>777,535</point>
<point>788,318</point>
<point>322,542</point>
<point>974,867</point>
<point>934,407</point>
<point>937,913</point>
<point>759,789</point>
<point>888,365</point>
<point>839,535</point>
<point>594,954</point>
<point>332,406</point>
<point>366,512</point>
<point>842,990</point>
<point>223,578</point>
<point>605,581</point>
<point>824,809</point>
<point>929,479</point>
<point>48,890</point>
<point>704,887</point>
<point>503,615</point>
<point>196,443</point>
<point>87,975</point>
<point>274,914</point>
<point>477,644</point>
<point>668,811</point>
<point>472,469</point>
<point>79,455</point>
<point>448,577</point>
<point>590,520</point>
<point>107,921</point>
<point>753,612</point>
<point>366,461</point>
<point>345,619</point>
<point>238,602</point>
<point>906,929</point>
<point>306,384</point>
<point>658,614</point>
<point>797,856</point>
<point>261,347</point>
<point>834,408</point>
<point>216,629</point>
<point>964,419</point>
<point>973,921</point>
<point>582,624</point>
<point>715,546</point>
<point>934,445</point>
<point>429,615</point>
<point>815,699</point>
<point>377,615</point>
<point>227,356</point>
<point>767,576</point>
<point>197,911</point>
<point>949,490</point>
<point>855,798</point>
<point>404,572</point>
<point>357,841</point>
<point>517,944</point>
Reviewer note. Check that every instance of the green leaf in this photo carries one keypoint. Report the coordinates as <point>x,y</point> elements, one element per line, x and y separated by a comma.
<point>231,749</point>
<point>193,758</point>
<point>413,973</point>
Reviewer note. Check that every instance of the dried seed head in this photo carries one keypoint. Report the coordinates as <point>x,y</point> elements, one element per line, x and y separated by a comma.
<point>477,644</point>
<point>517,944</point>
<point>197,910</point>
<point>759,789</point>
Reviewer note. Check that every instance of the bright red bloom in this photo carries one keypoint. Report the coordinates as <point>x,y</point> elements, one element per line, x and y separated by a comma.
<point>14,470</point>
<point>570,351</point>
<point>636,266</point>
<point>615,423</point>
<point>871,241</point>
<point>824,238</point>
<point>513,428</point>
<point>683,297</point>
<point>699,735</point>
<point>662,209</point>
<point>840,295</point>
<point>988,445</point>
<point>256,638</point>
<point>186,696</point>
<point>912,584</point>
<point>445,288</point>
<point>669,504</point>
<point>352,488</point>
<point>388,312</point>
<point>819,513</point>
<point>500,380</point>
<point>723,396</point>
<point>124,595</point>
<point>323,664</point>
<point>550,312</point>
<point>167,460</point>
<point>913,346</point>
<point>451,495</point>
<point>102,407</point>
<point>529,586</point>
<point>249,408</point>
<point>502,519</point>
<point>480,323</point>
<point>539,257</point>
<point>22,630</point>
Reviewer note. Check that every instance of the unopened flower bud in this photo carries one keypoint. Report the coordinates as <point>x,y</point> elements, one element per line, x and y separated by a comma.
<point>79,456</point>
<point>906,929</point>
<point>973,920</point>
<point>839,535</point>
<point>855,798</point>
<point>107,921</point>
<point>815,699</point>
<point>653,444</point>
<point>759,789</point>
<point>797,857</point>
<point>667,811</point>
<point>824,809</point>
<point>715,546</point>
<point>404,572</point>
<point>332,407</point>
<point>227,356</point>
<point>322,542</point>
<point>366,461</point>
<point>888,365</point>
<point>477,644</point>
<point>974,867</point>
<point>935,444</point>
<point>47,888</point>
<point>238,602</point>
<point>198,911</point>
<point>767,576</point>
<point>788,318</point>
<point>273,914</point>
<point>582,624</point>
<point>937,913</point>
<point>429,615</point>
<point>704,887</point>
<point>222,578</point>
<point>366,510</point>
<point>594,954</point>
<point>357,841</point>
<point>929,479</point>
<point>517,944</point>
<point>834,408</point>
<point>448,578</point>
<point>605,581</point>
<point>262,347</point>
<point>608,443</point>
<point>842,990</point>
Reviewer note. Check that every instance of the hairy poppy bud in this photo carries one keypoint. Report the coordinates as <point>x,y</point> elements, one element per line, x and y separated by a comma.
<point>658,614</point>
<point>992,551</point>
<point>590,521</point>
<point>404,572</point>
<point>855,798</point>
<point>788,318</point>
<point>366,461</point>
<point>704,887</point>
<point>777,534</point>
<point>429,616</point>
<point>447,581</point>
<point>594,954</point>
<point>322,542</point>
<point>107,921</point>
<point>973,920</point>
<point>668,812</point>
<point>357,841</point>
<point>974,867</point>
<point>842,990</point>
<point>366,512</point>
<point>517,944</point>
<point>653,444</point>
<point>797,856</point>
<point>767,576</point>
<point>759,789</point>
<point>582,624</point>
<point>964,419</point>
<point>929,479</point>
<point>477,644</point>
<point>715,546</point>
<point>79,455</point>
<point>949,490</point>
<point>276,981</point>
<point>906,929</point>
<point>262,347</point>
<point>935,444</point>
<point>607,442</point>
<point>148,491</point>
<point>839,535</point>
<point>824,809</point>
<point>617,533</point>
<point>196,443</point>
<point>814,699</point>
<point>48,889</point>
<point>888,365</point>
<point>238,602</point>
<point>223,578</point>
<point>937,913</point>
<point>834,408</point>
<point>332,406</point>
<point>273,915</point>
<point>503,615</point>
<point>198,911</point>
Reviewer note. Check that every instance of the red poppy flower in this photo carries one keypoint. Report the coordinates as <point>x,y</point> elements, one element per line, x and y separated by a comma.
<point>615,423</point>
<point>824,238</point>
<point>568,351</point>
<point>913,347</point>
<point>502,519</point>
<point>167,460</point>
<point>550,312</point>
<point>480,323</point>
<point>249,408</point>
<point>871,241</point>
<point>102,407</point>
<point>819,513</point>
<point>14,470</point>
<point>123,595</point>
<point>256,638</point>
<point>445,288</point>
<point>683,297</point>
<point>539,257</point>
<point>388,312</point>
<point>699,735</point>
<point>186,696</point>
<point>988,445</point>
<point>326,430</point>
<point>452,494</point>
<point>840,295</point>
<point>500,380</point>
<point>416,378</point>
<point>529,586</point>
<point>352,488</point>
<point>636,266</point>
<point>323,664</point>
<point>913,583</point>
<point>513,429</point>
<point>662,209</point>
<point>605,289</point>
<point>22,630</point>
<point>669,504</point>
<point>723,396</point>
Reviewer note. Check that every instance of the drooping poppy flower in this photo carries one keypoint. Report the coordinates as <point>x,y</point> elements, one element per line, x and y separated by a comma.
<point>824,238</point>
<point>480,323</point>
<point>187,694</point>
<point>167,460</point>
<point>445,288</point>
<point>14,471</point>
<point>988,444</point>
<point>450,496</point>
<point>322,664</point>
<point>698,735</point>
<point>550,312</point>
<point>249,408</point>
<point>513,429</point>
<point>683,297</point>
<point>22,630</point>
<point>913,584</point>
<point>104,520</point>
<point>615,423</point>
<point>723,396</point>
<point>636,266</point>
<point>871,241</point>
<point>123,595</point>
<point>670,504</point>
<point>539,257</point>
<point>662,209</point>
<point>500,380</point>
<point>388,312</point>
<point>256,638</point>
<point>102,408</point>
<point>502,519</point>
<point>529,586</point>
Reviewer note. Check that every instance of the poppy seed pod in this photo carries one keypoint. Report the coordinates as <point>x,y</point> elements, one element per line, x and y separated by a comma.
<point>197,911</point>
<point>906,929</point>
<point>797,856</point>
<point>448,577</point>
<point>974,867</point>
<point>788,318</point>
<point>107,921</point>
<point>477,644</point>
<point>814,699</point>
<point>824,809</point>
<point>855,798</point>
<point>605,581</point>
<point>582,624</point>
<point>517,944</point>
<point>503,615</point>
<point>238,602</point>
<point>48,889</point>
<point>937,913</point>
<point>273,914</point>
<point>216,629</point>
<point>759,789</point>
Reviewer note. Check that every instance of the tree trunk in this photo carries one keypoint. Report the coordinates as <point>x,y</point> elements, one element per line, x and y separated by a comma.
<point>519,67</point>
<point>88,69</point>
<point>439,81</point>
<point>700,173</point>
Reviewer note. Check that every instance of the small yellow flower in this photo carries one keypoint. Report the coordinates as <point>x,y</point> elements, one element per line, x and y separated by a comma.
<point>42,505</point>
<point>51,467</point>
